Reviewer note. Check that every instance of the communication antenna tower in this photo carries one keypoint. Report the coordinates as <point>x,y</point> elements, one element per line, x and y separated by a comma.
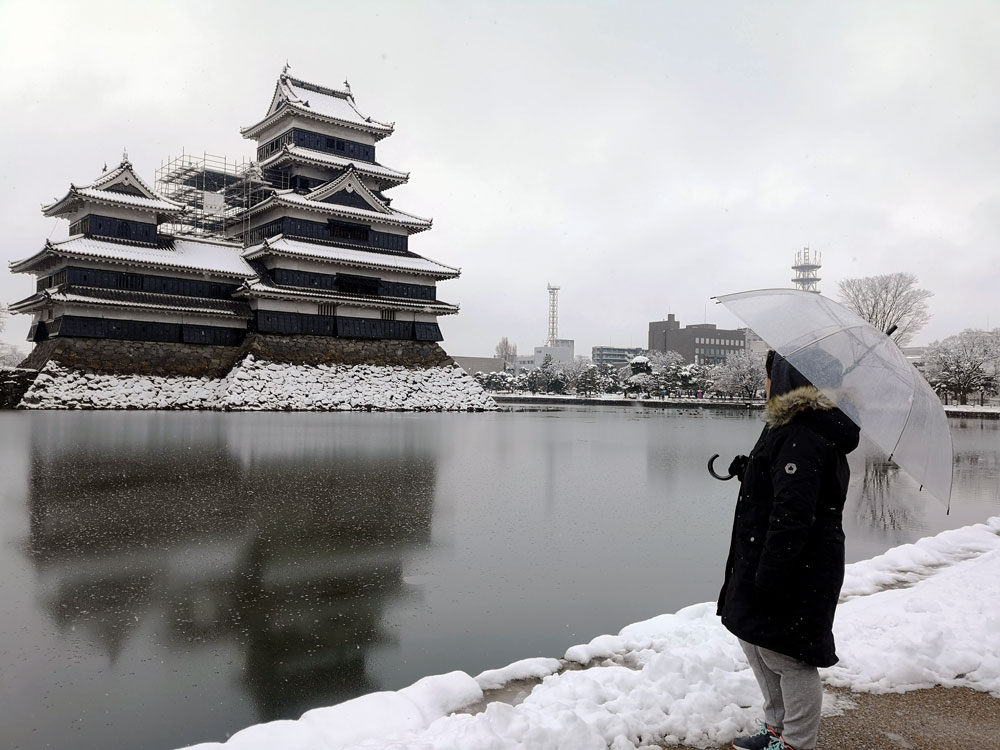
<point>553,315</point>
<point>806,267</point>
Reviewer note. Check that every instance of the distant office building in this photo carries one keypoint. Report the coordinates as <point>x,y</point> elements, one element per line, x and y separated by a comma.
<point>472,365</point>
<point>616,356</point>
<point>524,362</point>
<point>561,351</point>
<point>700,343</point>
<point>756,347</point>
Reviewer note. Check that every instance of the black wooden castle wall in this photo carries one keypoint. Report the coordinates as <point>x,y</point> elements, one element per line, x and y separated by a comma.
<point>330,231</point>
<point>317,142</point>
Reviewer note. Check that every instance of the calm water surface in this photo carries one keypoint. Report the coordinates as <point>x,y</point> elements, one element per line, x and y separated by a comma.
<point>170,578</point>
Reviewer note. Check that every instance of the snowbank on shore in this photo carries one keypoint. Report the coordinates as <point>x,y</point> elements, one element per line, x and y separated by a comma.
<point>259,385</point>
<point>922,614</point>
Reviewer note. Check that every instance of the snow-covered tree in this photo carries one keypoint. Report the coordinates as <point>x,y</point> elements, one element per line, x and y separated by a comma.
<point>10,355</point>
<point>587,379</point>
<point>608,380</point>
<point>637,376</point>
<point>495,381</point>
<point>741,375</point>
<point>639,383</point>
<point>640,365</point>
<point>663,360</point>
<point>539,379</point>
<point>888,300</point>
<point>964,364</point>
<point>692,379</point>
<point>559,382</point>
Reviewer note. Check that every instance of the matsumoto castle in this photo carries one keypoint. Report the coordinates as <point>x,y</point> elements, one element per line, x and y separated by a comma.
<point>303,242</point>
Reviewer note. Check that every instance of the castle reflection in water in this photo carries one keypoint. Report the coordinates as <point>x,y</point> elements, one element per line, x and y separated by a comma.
<point>220,538</point>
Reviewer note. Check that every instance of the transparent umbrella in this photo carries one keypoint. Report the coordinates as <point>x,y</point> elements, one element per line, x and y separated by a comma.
<point>875,385</point>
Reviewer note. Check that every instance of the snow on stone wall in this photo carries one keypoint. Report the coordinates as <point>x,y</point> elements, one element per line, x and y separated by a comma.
<point>258,385</point>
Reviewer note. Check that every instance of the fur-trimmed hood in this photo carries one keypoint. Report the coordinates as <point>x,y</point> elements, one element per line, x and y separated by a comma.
<point>782,409</point>
<point>814,408</point>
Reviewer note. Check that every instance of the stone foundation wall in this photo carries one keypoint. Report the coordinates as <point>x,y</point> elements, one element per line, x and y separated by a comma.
<point>256,385</point>
<point>13,385</point>
<point>109,356</point>
<point>266,372</point>
<point>321,350</point>
<point>112,357</point>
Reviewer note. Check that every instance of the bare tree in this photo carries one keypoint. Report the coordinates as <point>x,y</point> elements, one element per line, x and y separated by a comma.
<point>891,299</point>
<point>507,352</point>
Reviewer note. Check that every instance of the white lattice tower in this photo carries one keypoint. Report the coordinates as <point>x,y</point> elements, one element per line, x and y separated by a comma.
<point>806,269</point>
<point>553,314</point>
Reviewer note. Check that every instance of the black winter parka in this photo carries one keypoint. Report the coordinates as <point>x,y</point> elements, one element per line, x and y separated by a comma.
<point>786,557</point>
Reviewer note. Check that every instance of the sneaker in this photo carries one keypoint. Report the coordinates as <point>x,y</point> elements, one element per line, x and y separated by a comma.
<point>778,743</point>
<point>762,740</point>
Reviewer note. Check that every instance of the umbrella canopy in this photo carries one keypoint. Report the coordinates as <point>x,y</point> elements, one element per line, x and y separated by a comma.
<point>873,384</point>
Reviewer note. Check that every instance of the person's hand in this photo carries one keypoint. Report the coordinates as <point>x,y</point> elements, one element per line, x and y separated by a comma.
<point>738,466</point>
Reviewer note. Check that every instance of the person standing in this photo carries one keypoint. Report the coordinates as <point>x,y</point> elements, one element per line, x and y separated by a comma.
<point>786,556</point>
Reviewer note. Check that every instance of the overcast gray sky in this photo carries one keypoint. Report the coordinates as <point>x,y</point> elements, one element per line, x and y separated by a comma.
<point>645,156</point>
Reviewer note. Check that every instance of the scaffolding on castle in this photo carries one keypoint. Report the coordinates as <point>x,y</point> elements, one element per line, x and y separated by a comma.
<point>216,192</point>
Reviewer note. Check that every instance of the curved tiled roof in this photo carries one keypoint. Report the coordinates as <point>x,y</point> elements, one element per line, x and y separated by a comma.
<point>223,259</point>
<point>101,191</point>
<point>159,205</point>
<point>392,216</point>
<point>308,156</point>
<point>122,298</point>
<point>260,286</point>
<point>281,245</point>
<point>336,106</point>
<point>352,182</point>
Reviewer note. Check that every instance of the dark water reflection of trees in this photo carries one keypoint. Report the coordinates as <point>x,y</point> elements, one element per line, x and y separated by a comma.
<point>877,506</point>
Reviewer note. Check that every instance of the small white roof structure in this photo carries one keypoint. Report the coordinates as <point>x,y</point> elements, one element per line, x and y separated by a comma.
<point>281,245</point>
<point>350,182</point>
<point>293,96</point>
<point>119,187</point>
<point>220,258</point>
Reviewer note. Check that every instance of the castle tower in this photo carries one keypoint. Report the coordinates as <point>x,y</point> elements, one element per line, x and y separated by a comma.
<point>806,267</point>
<point>331,254</point>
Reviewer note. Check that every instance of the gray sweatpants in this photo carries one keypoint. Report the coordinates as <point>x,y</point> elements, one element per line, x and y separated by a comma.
<point>793,694</point>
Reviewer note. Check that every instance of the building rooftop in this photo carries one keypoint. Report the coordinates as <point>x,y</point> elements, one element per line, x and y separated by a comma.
<point>281,245</point>
<point>291,152</point>
<point>295,96</point>
<point>177,253</point>
<point>122,187</point>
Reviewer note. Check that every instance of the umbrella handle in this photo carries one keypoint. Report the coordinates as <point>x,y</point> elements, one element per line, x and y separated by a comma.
<point>711,470</point>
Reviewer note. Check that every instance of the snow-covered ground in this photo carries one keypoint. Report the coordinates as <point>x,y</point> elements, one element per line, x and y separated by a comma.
<point>920,615</point>
<point>259,385</point>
